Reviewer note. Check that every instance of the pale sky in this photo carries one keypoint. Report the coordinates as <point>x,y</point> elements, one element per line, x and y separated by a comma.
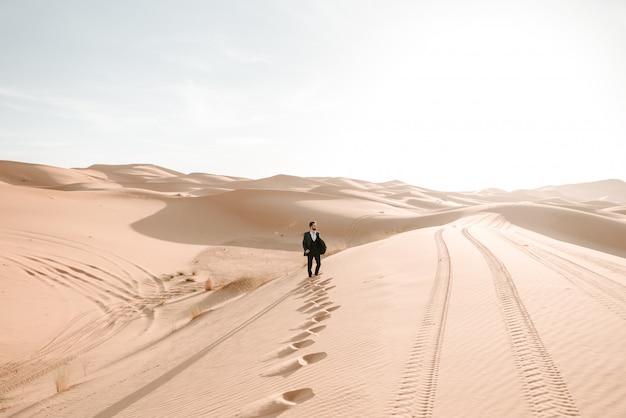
<point>449,95</point>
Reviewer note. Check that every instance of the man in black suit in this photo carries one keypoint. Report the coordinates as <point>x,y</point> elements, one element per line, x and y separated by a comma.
<point>312,248</point>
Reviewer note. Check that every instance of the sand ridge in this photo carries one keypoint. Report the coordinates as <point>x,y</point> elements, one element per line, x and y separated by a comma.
<point>486,303</point>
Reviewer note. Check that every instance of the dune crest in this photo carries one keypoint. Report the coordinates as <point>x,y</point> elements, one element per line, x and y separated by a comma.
<point>474,304</point>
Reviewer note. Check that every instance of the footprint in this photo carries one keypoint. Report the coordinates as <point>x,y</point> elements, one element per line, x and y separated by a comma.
<point>290,366</point>
<point>317,300</point>
<point>323,310</point>
<point>316,308</point>
<point>306,306</point>
<point>317,293</point>
<point>306,334</point>
<point>315,282</point>
<point>312,303</point>
<point>287,349</point>
<point>273,405</point>
<point>319,317</point>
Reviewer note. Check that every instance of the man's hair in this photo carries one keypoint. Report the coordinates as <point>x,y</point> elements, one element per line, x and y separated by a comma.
<point>311,223</point>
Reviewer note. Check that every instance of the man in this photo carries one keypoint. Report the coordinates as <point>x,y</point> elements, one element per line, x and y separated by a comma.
<point>313,247</point>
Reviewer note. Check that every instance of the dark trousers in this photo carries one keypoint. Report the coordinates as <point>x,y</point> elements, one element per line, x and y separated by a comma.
<point>318,263</point>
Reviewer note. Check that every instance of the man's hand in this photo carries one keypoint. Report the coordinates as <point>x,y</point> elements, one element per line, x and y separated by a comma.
<point>307,251</point>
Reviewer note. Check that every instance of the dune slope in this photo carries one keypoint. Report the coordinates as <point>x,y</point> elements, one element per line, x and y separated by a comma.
<point>481,304</point>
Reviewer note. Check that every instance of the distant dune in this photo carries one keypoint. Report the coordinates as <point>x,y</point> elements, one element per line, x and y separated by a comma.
<point>138,291</point>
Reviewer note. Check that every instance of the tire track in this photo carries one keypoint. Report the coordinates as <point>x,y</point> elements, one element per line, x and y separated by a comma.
<point>53,273</point>
<point>63,351</point>
<point>416,393</point>
<point>82,334</point>
<point>543,384</point>
<point>606,264</point>
<point>123,271</point>
<point>604,290</point>
<point>113,286</point>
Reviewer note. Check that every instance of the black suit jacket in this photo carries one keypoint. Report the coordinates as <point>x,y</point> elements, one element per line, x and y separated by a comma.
<point>309,244</point>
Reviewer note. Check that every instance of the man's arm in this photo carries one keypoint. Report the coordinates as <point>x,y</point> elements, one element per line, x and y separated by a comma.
<point>304,243</point>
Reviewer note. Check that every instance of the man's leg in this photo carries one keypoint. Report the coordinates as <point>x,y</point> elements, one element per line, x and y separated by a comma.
<point>310,263</point>
<point>318,263</point>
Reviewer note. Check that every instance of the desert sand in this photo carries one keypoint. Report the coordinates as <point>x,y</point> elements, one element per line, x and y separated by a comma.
<point>431,303</point>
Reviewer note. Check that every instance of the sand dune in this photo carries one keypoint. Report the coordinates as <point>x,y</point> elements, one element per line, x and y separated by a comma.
<point>440,304</point>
